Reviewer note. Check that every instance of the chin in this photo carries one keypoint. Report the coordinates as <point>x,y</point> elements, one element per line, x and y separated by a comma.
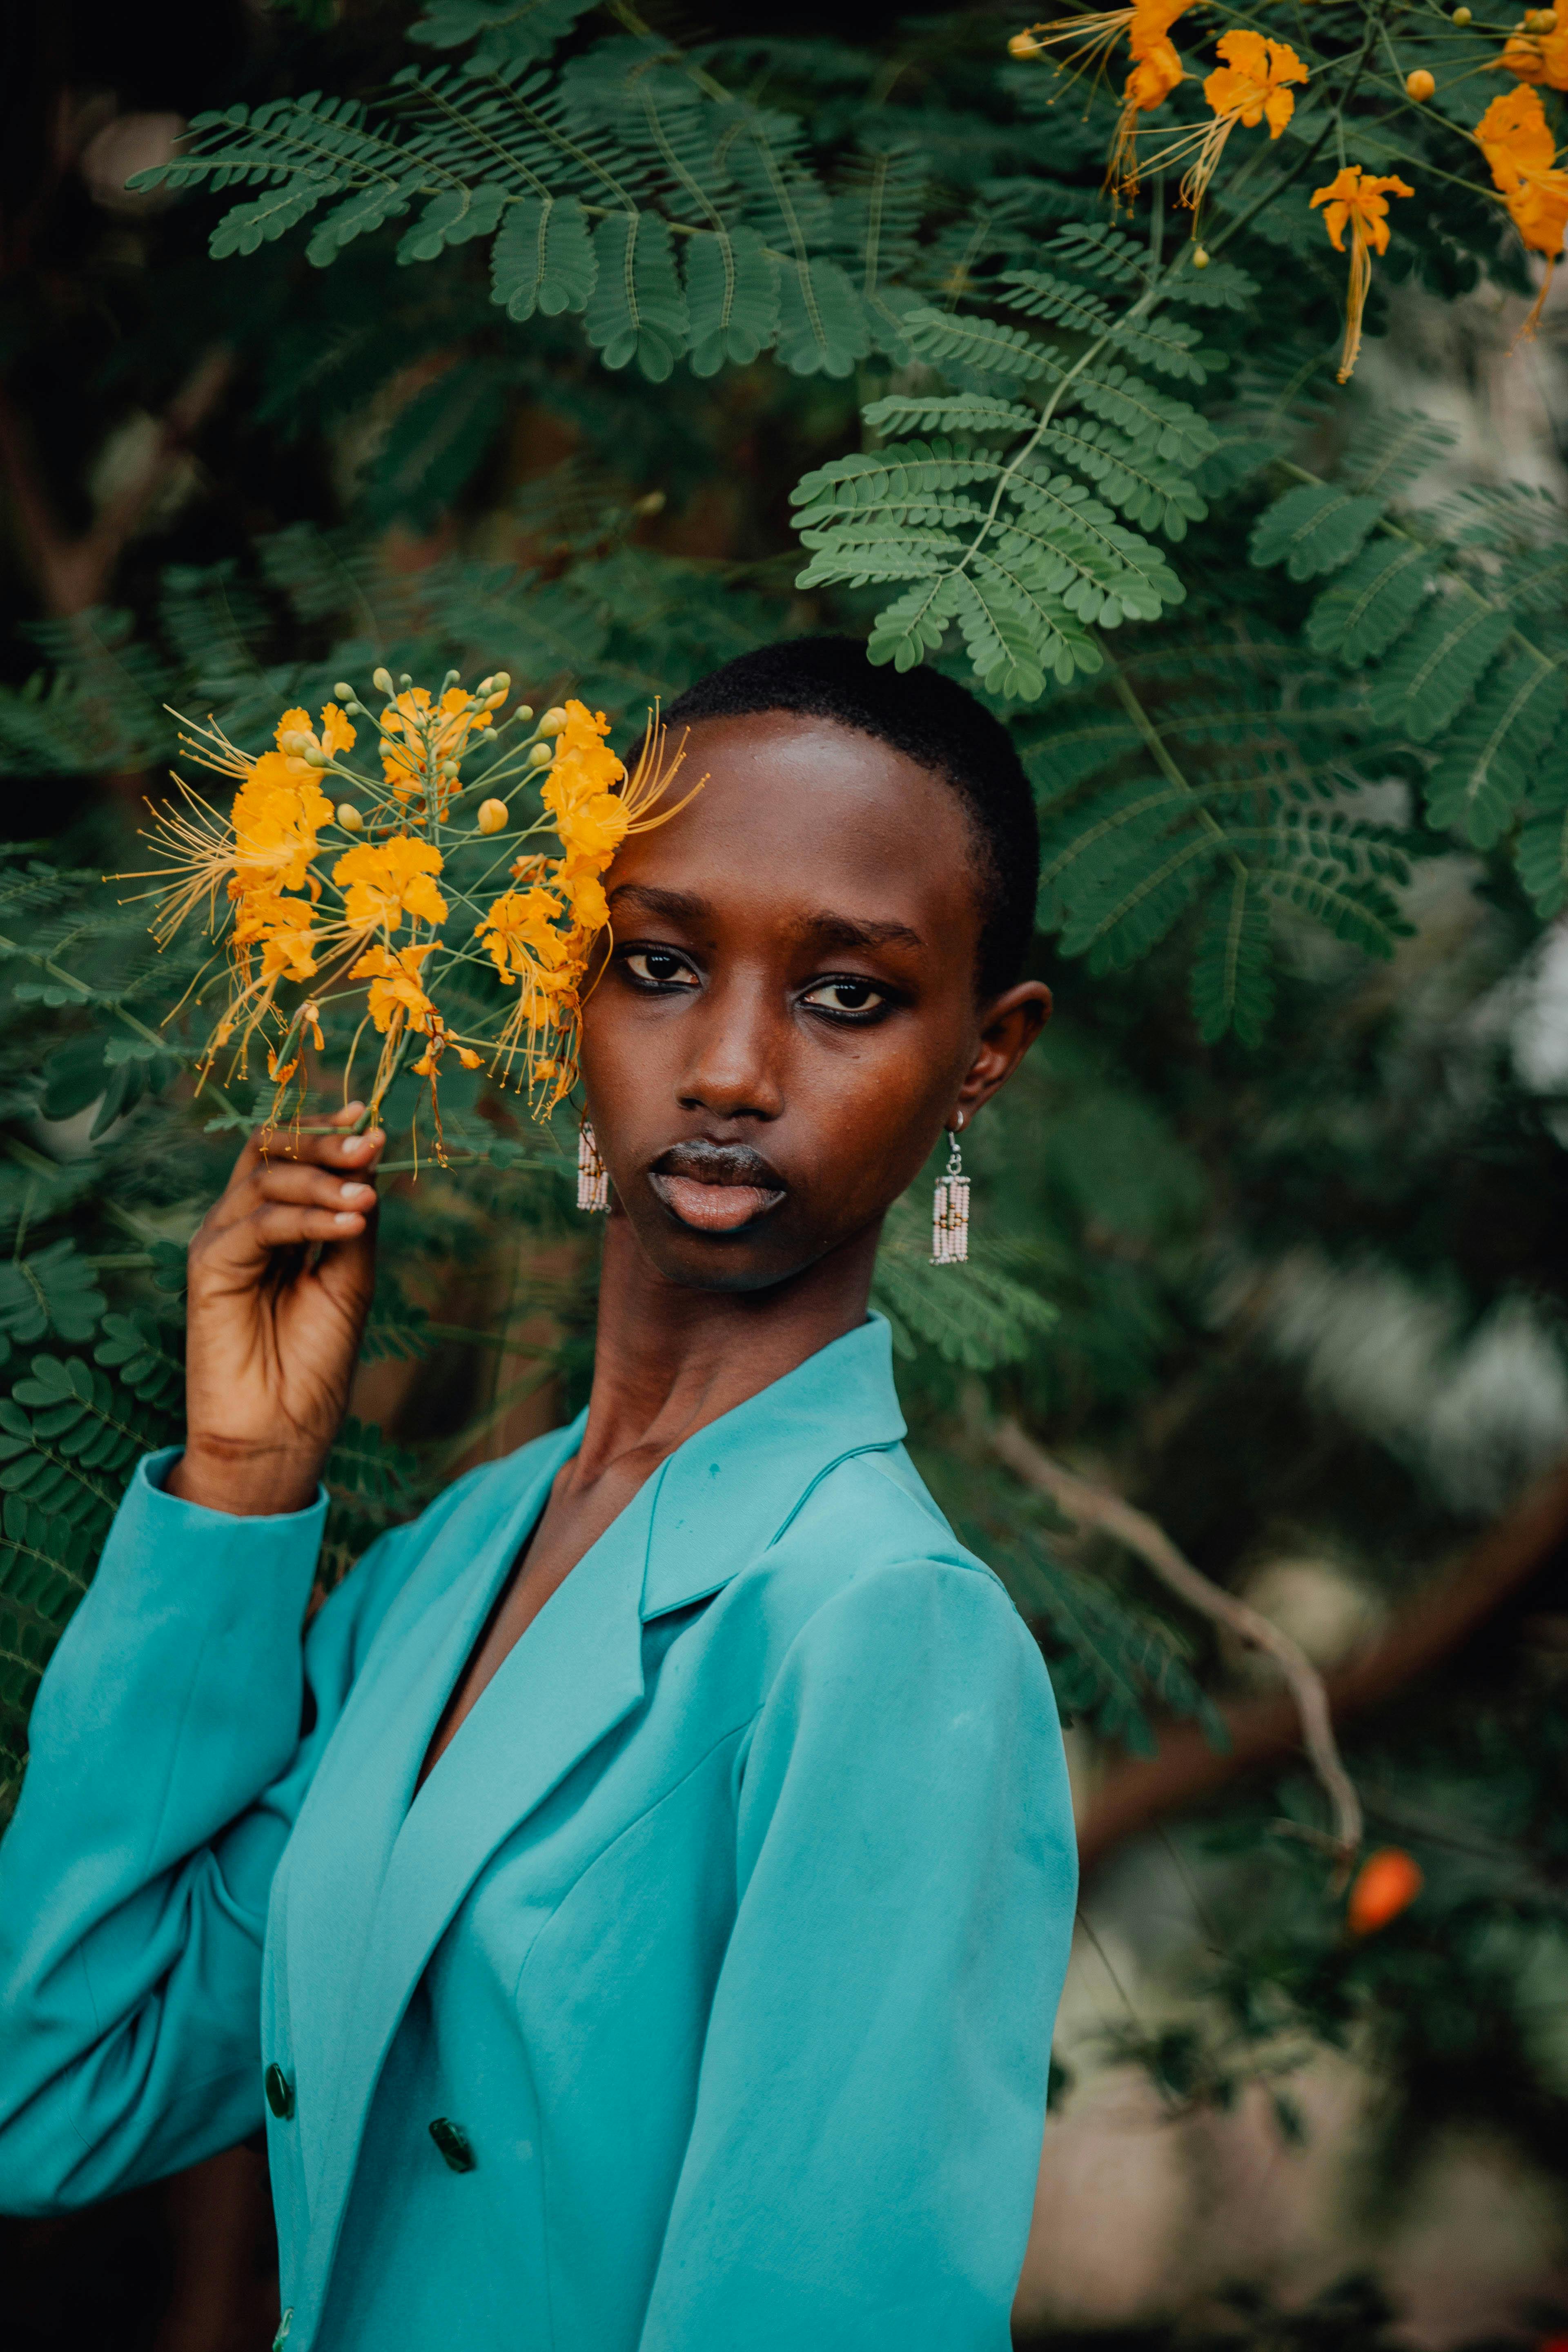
<point>753,1256</point>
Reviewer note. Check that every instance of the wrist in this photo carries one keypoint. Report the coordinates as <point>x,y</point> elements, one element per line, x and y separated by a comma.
<point>245,1481</point>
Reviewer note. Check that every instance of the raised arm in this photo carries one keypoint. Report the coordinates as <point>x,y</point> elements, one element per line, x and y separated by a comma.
<point>166,1762</point>
<point>862,2161</point>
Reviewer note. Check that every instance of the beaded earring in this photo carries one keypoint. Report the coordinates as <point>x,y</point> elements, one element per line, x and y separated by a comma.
<point>593,1177</point>
<point>950,1209</point>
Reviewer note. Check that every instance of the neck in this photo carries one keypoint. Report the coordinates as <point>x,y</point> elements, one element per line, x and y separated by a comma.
<point>668,1359</point>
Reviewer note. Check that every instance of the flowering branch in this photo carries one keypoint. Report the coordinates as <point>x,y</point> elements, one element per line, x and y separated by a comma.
<point>418,899</point>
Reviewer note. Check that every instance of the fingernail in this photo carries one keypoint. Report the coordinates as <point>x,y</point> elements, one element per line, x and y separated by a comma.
<point>346,1217</point>
<point>356,1192</point>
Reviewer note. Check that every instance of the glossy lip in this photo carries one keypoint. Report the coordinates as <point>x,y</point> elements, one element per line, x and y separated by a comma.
<point>715,1188</point>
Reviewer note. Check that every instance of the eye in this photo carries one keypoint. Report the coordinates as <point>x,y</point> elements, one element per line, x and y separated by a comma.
<point>847,999</point>
<point>657,968</point>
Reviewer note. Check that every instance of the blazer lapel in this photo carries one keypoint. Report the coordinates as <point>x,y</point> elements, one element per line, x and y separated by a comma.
<point>574,1674</point>
<point>349,1827</point>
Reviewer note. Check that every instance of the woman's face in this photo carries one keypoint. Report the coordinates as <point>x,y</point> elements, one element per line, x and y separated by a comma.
<point>787,1018</point>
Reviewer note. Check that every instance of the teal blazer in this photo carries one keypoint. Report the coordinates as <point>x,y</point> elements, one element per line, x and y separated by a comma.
<point>699,2002</point>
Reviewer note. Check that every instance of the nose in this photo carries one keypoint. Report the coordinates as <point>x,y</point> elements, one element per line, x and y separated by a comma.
<point>737,1048</point>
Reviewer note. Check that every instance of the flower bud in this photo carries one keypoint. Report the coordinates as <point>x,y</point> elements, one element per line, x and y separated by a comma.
<point>1462,17</point>
<point>382,681</point>
<point>483,687</point>
<point>553,720</point>
<point>493,816</point>
<point>1419,85</point>
<point>541,756</point>
<point>350,818</point>
<point>499,684</point>
<point>404,682</point>
<point>494,702</point>
<point>1387,1883</point>
<point>342,691</point>
<point>1022,45</point>
<point>525,711</point>
<point>453,677</point>
<point>314,757</point>
<point>292,745</point>
<point>1200,257</point>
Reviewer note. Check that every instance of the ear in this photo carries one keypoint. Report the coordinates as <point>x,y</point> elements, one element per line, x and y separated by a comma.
<point>1008,1027</point>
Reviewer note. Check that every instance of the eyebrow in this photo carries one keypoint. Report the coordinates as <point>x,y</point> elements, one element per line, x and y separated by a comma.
<point>852,932</point>
<point>822,930</point>
<point>681,906</point>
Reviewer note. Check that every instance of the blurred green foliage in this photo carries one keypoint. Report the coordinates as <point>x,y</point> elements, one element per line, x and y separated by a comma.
<point>1267,1230</point>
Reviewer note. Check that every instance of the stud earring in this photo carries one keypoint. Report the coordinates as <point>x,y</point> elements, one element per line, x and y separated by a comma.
<point>950,1209</point>
<point>593,1177</point>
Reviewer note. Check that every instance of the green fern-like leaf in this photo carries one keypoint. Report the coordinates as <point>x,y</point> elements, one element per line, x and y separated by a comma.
<point>731,297</point>
<point>53,1290</point>
<point>508,32</point>
<point>975,343</point>
<point>1233,986</point>
<point>963,413</point>
<point>1488,761</point>
<point>1543,841</point>
<point>365,1462</point>
<point>1434,668</point>
<point>1373,603</point>
<point>543,258</point>
<point>1314,528</point>
<point>984,1317</point>
<point>636,310</point>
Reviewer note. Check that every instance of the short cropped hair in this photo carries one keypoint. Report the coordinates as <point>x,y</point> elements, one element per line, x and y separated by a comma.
<point>934,721</point>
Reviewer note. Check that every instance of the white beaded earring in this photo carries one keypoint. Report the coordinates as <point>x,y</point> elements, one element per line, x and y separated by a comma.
<point>950,1209</point>
<point>593,1177</point>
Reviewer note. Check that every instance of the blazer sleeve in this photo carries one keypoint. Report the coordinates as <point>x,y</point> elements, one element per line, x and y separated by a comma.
<point>166,1767</point>
<point>863,2157</point>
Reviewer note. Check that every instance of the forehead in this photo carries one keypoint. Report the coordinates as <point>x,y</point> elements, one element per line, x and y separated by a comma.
<point>804,811</point>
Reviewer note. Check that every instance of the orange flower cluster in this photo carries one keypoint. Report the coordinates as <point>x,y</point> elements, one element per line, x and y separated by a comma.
<point>1157,67</point>
<point>1515,137</point>
<point>1251,86</point>
<point>541,933</point>
<point>421,746</point>
<point>1533,56</point>
<point>368,928</point>
<point>1358,200</point>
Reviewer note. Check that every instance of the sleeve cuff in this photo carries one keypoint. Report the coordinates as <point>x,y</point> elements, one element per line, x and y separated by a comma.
<point>147,1504</point>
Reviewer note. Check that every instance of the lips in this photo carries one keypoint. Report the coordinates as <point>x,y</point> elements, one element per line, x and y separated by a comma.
<point>715,1188</point>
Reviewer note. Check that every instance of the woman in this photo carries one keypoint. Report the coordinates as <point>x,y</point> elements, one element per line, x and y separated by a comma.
<point>637,1907</point>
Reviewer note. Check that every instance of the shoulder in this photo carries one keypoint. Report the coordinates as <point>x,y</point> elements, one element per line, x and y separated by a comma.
<point>900,1675</point>
<point>873,1514</point>
<point>867,1571</point>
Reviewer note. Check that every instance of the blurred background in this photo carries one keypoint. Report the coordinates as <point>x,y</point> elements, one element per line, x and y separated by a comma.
<point>1297,1306</point>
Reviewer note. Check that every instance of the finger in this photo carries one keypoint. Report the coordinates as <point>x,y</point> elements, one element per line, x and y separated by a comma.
<point>289,1181</point>
<point>281,1224</point>
<point>329,1146</point>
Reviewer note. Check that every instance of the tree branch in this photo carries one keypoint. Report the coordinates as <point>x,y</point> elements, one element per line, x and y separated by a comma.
<point>74,574</point>
<point>1094,1507</point>
<point>1188,1771</point>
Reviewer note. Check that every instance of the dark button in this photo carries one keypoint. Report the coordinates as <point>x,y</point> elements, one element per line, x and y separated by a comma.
<point>454,2144</point>
<point>279,2092</point>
